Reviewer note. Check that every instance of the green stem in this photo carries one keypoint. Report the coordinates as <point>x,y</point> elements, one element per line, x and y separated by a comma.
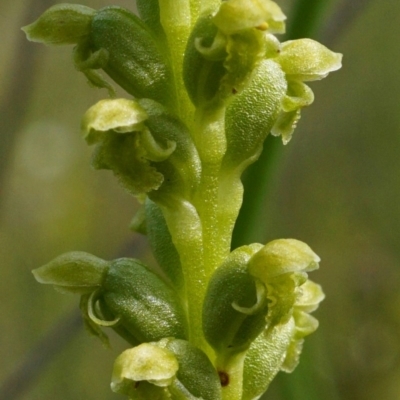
<point>185,227</point>
<point>211,144</point>
<point>233,368</point>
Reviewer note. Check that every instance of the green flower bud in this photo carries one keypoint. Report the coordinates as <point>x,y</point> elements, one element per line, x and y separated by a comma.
<point>166,369</point>
<point>235,307</point>
<point>74,272</point>
<point>141,302</point>
<point>161,245</point>
<point>135,60</point>
<point>61,24</point>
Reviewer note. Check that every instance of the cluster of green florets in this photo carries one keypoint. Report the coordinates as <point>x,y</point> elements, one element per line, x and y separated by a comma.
<point>207,85</point>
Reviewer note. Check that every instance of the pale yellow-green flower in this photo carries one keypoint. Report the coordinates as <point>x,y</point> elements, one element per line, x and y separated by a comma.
<point>302,60</point>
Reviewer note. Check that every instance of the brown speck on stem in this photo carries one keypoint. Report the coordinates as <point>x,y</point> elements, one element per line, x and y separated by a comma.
<point>224,378</point>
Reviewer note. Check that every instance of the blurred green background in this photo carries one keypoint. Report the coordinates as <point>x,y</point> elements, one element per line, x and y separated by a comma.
<point>336,186</point>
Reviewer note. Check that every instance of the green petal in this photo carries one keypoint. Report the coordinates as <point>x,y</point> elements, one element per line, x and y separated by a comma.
<point>91,327</point>
<point>283,290</point>
<point>292,358</point>
<point>311,296</point>
<point>308,60</point>
<point>74,272</point>
<point>285,125</point>
<point>305,325</point>
<point>237,15</point>
<point>298,95</point>
<point>61,24</point>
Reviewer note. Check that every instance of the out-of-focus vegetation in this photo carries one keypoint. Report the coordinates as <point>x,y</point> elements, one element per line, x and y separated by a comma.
<point>337,187</point>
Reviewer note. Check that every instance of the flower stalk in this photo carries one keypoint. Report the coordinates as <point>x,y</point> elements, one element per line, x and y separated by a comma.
<point>209,81</point>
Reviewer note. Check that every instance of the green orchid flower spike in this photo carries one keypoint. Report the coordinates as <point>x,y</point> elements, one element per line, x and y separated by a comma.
<point>206,82</point>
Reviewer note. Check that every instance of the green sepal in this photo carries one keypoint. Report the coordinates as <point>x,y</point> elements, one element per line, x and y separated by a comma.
<point>282,256</point>
<point>251,115</point>
<point>238,15</point>
<point>264,359</point>
<point>308,60</point>
<point>162,246</point>
<point>202,71</point>
<point>233,302</point>
<point>61,24</point>
<point>143,304</point>
<point>74,272</point>
<point>136,61</point>
<point>88,62</point>
<point>298,96</point>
